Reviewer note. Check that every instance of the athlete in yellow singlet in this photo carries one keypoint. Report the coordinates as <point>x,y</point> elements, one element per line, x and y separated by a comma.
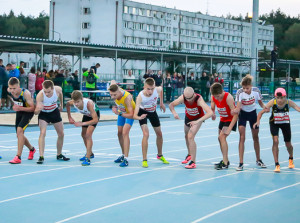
<point>124,109</point>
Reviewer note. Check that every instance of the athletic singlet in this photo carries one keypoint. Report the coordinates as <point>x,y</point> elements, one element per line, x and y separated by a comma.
<point>50,104</point>
<point>193,110</point>
<point>21,101</point>
<point>248,101</point>
<point>85,110</point>
<point>280,115</point>
<point>121,103</point>
<point>149,103</point>
<point>223,108</point>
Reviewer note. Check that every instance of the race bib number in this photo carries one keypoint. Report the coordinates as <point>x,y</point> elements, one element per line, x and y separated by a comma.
<point>222,112</point>
<point>18,103</point>
<point>192,111</point>
<point>281,118</point>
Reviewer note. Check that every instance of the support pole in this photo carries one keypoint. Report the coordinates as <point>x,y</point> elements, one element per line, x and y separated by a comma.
<point>42,58</point>
<point>116,57</point>
<point>72,64</point>
<point>80,67</point>
<point>254,41</point>
<point>186,74</point>
<point>211,65</point>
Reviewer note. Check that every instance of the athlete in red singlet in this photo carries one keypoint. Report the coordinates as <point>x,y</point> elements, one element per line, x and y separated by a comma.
<point>194,116</point>
<point>225,103</point>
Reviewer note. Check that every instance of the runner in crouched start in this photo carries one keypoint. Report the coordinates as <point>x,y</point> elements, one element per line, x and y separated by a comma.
<point>194,117</point>
<point>246,98</point>
<point>49,112</point>
<point>280,119</point>
<point>24,107</point>
<point>146,104</point>
<point>91,115</point>
<point>124,109</point>
<point>225,103</point>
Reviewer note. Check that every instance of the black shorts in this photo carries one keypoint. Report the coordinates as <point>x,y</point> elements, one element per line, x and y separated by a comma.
<point>88,118</point>
<point>152,116</point>
<point>23,119</point>
<point>4,92</point>
<point>248,116</point>
<point>285,128</point>
<point>187,120</point>
<point>226,124</point>
<point>50,117</point>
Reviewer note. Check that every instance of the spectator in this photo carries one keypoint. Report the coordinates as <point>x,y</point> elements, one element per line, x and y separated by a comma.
<point>151,74</point>
<point>4,96</point>
<point>1,64</point>
<point>180,85</point>
<point>59,78</point>
<point>23,75</point>
<point>168,86</point>
<point>192,77</point>
<point>129,78</point>
<point>50,75</point>
<point>14,72</point>
<point>31,81</point>
<point>205,86</point>
<point>3,81</point>
<point>76,83</point>
<point>159,79</point>
<point>39,82</point>
<point>91,81</point>
<point>96,67</point>
<point>218,78</point>
<point>174,85</point>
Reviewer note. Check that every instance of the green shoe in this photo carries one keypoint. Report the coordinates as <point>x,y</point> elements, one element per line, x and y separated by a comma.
<point>162,158</point>
<point>145,164</point>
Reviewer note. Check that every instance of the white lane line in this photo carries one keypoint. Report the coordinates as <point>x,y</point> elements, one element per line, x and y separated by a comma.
<point>154,193</point>
<point>243,202</point>
<point>144,196</point>
<point>84,183</point>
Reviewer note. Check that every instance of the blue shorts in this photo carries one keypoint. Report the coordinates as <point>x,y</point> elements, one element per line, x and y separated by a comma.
<point>122,121</point>
<point>248,116</point>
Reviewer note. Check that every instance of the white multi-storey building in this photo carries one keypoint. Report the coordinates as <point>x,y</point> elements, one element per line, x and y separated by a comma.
<point>133,24</point>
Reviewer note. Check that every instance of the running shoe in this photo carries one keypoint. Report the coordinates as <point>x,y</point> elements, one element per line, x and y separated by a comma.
<point>291,164</point>
<point>124,163</point>
<point>261,164</point>
<point>162,158</point>
<point>187,159</point>
<point>277,169</point>
<point>15,160</point>
<point>145,164</point>
<point>217,164</point>
<point>31,154</point>
<point>86,162</point>
<point>222,165</point>
<point>83,158</point>
<point>240,167</point>
<point>62,157</point>
<point>41,160</point>
<point>120,159</point>
<point>191,165</point>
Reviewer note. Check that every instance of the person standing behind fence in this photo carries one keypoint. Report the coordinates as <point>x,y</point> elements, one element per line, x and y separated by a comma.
<point>205,86</point>
<point>23,75</point>
<point>39,82</point>
<point>31,81</point>
<point>129,78</point>
<point>168,86</point>
<point>91,80</point>
<point>14,72</point>
<point>174,85</point>
<point>180,85</point>
<point>4,96</point>
<point>1,64</point>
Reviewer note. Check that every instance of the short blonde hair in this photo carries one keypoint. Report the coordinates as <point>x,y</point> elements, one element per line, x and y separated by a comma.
<point>76,95</point>
<point>247,80</point>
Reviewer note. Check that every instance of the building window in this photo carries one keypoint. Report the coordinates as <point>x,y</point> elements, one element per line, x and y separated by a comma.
<point>148,27</point>
<point>149,42</point>
<point>86,25</point>
<point>162,29</point>
<point>86,11</point>
<point>140,12</point>
<point>134,11</point>
<point>126,24</point>
<point>148,13</point>
<point>125,9</point>
<point>187,32</point>
<point>126,39</point>
<point>161,42</point>
<point>154,28</point>
<point>153,42</point>
<point>154,13</point>
<point>174,17</point>
<point>141,41</point>
<point>174,31</point>
<point>85,39</point>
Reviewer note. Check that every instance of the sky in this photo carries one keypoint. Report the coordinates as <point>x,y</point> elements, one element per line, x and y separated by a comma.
<point>214,7</point>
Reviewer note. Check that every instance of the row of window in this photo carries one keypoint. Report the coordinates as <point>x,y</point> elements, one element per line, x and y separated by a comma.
<point>142,41</point>
<point>188,19</point>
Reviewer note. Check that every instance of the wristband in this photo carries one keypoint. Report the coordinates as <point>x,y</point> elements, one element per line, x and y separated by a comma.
<point>120,113</point>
